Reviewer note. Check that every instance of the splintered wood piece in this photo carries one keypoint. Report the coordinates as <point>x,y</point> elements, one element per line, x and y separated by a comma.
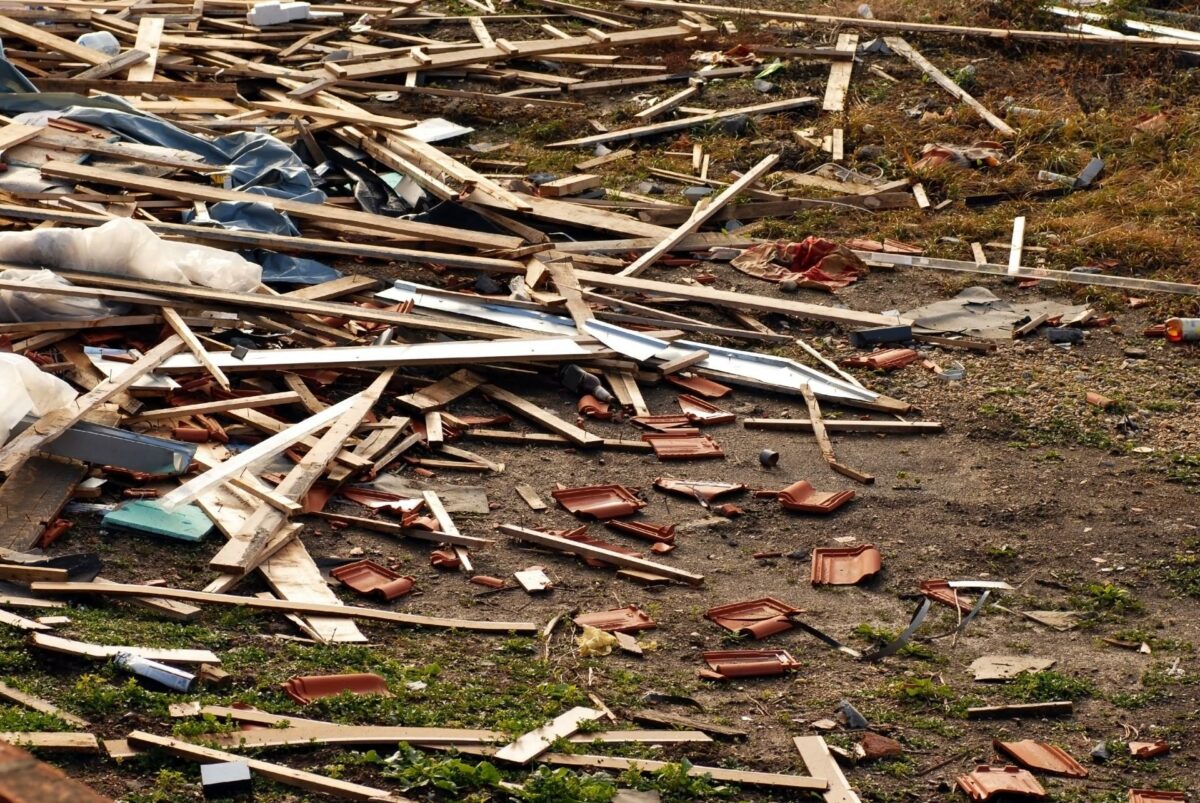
<point>15,133</point>
<point>817,423</point>
<point>527,493</point>
<point>44,39</point>
<point>700,216</point>
<point>903,48</point>
<point>180,327</point>
<point>104,652</point>
<point>240,403</point>
<point>820,764</point>
<point>589,551</point>
<point>532,744</point>
<point>149,35</point>
<point>442,392</point>
<point>52,740</point>
<point>546,419</point>
<point>31,498</point>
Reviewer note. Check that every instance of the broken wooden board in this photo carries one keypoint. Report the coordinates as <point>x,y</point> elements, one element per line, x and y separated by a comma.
<point>540,416</point>
<point>53,740</point>
<point>104,652</point>
<point>903,48</point>
<point>442,392</point>
<point>839,75</point>
<point>38,704</point>
<point>821,764</point>
<point>532,744</point>
<point>32,497</point>
<point>589,551</point>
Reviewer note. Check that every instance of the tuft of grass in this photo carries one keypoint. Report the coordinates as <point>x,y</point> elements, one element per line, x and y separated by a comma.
<point>1047,686</point>
<point>1103,600</point>
<point>919,691</point>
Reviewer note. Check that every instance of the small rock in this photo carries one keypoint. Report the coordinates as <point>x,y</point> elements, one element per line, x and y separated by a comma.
<point>1100,753</point>
<point>1136,353</point>
<point>851,716</point>
<point>789,286</point>
<point>763,86</point>
<point>650,188</point>
<point>868,153</point>
<point>876,747</point>
<point>824,725</point>
<point>736,125</point>
<point>694,194</point>
<point>356,552</point>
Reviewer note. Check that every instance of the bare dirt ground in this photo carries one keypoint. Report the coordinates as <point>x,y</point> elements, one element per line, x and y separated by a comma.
<point>1081,509</point>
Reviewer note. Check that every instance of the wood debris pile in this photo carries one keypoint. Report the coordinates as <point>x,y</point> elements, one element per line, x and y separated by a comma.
<point>248,408</point>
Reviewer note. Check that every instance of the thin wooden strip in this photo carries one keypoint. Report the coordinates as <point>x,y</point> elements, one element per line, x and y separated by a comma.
<point>205,408</point>
<point>585,550</point>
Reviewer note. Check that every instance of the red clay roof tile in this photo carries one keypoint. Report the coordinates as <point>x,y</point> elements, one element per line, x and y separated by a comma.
<point>594,408</point>
<point>368,577</point>
<point>1148,749</point>
<point>702,412</point>
<point>844,566</point>
<point>1156,796</point>
<point>757,618</point>
<point>727,664</point>
<point>802,497</point>
<point>886,360</point>
<point>670,446</point>
<point>306,688</point>
<point>1041,757</point>
<point>631,619</point>
<point>940,591</point>
<point>661,533</point>
<point>699,385</point>
<point>663,423</point>
<point>444,559</point>
<point>986,782</point>
<point>599,501</point>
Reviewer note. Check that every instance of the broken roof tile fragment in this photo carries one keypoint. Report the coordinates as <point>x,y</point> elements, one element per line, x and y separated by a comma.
<point>757,618</point>
<point>1006,667</point>
<point>670,446</point>
<point>726,664</point>
<point>703,413</point>
<point>699,385</point>
<point>1042,757</point>
<point>941,592</point>
<point>702,492</point>
<point>1156,796</point>
<point>1149,749</point>
<point>630,619</point>
<point>592,407</point>
<point>368,577</point>
<point>885,360</point>
<point>845,566</point>
<point>598,501</point>
<point>664,423</point>
<point>803,498</point>
<point>659,533</point>
<point>306,688</point>
<point>986,782</point>
<point>444,559</point>
<point>580,534</point>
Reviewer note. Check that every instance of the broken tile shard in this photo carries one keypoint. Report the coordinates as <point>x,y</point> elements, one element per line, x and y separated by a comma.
<point>845,566</point>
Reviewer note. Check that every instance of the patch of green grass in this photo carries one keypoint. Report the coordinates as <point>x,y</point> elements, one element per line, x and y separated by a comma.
<point>17,719</point>
<point>879,636</point>
<point>1182,571</point>
<point>1103,600</point>
<point>170,786</point>
<point>1047,686</point>
<point>919,691</point>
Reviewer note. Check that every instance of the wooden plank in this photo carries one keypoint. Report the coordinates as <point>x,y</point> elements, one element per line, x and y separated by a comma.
<point>446,524</point>
<point>665,105</point>
<point>568,185</point>
<point>180,327</point>
<point>320,212</point>
<point>817,423</point>
<point>27,574</point>
<point>53,740</point>
<point>903,48</point>
<point>530,496</point>
<point>240,403</point>
<point>839,75</point>
<point>44,39</point>
<point>599,161</point>
<point>685,122</point>
<point>442,392</point>
<point>50,426</point>
<point>530,745</point>
<point>587,550</point>
<point>32,497</point>
<point>309,781</point>
<point>542,417</point>
<point>700,216</point>
<point>1001,34</point>
<point>546,439</point>
<point>38,704</point>
<point>104,652</point>
<point>682,362</point>
<point>821,764</point>
<point>681,721</point>
<point>723,298</point>
<point>844,425</point>
<point>103,71</point>
<point>433,536</point>
<point>149,35</point>
<point>201,597</point>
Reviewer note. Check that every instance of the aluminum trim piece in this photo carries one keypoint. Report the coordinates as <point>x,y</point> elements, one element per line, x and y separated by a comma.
<point>503,314</point>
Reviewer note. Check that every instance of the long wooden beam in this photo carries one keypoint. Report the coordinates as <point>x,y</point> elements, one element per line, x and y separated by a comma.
<point>320,212</point>
<point>947,83</point>
<point>43,38</point>
<point>261,603</point>
<point>743,301</point>
<point>589,551</point>
<point>1052,37</point>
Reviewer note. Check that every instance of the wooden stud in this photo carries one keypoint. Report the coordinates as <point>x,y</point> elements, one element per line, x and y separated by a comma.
<point>586,550</point>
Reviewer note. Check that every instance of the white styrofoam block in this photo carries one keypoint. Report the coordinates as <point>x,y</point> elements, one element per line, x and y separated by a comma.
<point>277,13</point>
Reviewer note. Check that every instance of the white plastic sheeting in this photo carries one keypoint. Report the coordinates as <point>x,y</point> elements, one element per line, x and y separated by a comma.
<point>129,247</point>
<point>25,389</point>
<point>19,306</point>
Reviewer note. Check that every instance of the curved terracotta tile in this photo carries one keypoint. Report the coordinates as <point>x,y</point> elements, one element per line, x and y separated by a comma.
<point>699,385</point>
<point>986,782</point>
<point>598,501</point>
<point>802,497</point>
<point>306,688</point>
<point>702,492</point>
<point>663,533</point>
<point>1042,757</point>
<point>845,566</point>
